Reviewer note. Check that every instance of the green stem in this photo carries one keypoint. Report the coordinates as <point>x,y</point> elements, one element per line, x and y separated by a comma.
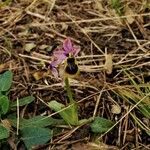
<point>73,110</point>
<point>68,89</point>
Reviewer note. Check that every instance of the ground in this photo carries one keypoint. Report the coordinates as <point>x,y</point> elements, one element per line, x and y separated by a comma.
<point>114,38</point>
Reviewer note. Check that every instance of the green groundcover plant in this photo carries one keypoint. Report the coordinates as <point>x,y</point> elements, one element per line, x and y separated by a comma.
<point>31,131</point>
<point>37,130</point>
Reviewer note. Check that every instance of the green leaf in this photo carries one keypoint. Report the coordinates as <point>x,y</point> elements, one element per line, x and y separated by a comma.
<point>145,110</point>
<point>6,81</point>
<point>23,101</point>
<point>37,121</point>
<point>34,136</point>
<point>148,132</point>
<point>70,114</point>
<point>1,93</point>
<point>4,133</point>
<point>4,104</point>
<point>131,97</point>
<point>101,125</point>
<point>117,5</point>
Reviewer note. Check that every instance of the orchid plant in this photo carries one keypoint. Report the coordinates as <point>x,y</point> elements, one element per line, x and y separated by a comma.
<point>69,114</point>
<point>61,54</point>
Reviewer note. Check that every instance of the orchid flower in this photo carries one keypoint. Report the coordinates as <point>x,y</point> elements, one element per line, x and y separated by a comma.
<point>60,54</point>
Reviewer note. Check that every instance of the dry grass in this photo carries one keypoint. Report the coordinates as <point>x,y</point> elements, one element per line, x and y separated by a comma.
<point>95,26</point>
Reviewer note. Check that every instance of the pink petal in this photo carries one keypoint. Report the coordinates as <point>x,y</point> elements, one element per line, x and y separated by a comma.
<point>76,50</point>
<point>59,57</point>
<point>58,61</point>
<point>53,64</point>
<point>62,57</point>
<point>55,72</point>
<point>58,52</point>
<point>67,45</point>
